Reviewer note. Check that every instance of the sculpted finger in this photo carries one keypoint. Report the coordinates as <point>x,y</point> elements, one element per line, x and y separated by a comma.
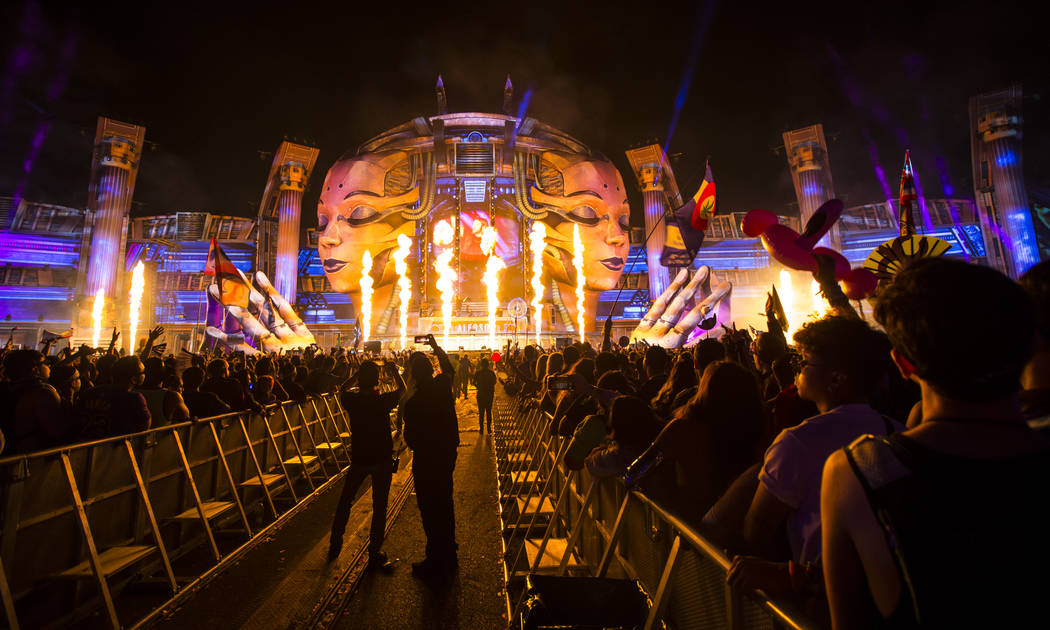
<point>233,342</point>
<point>284,309</point>
<point>674,309</point>
<point>660,305</point>
<point>702,310</point>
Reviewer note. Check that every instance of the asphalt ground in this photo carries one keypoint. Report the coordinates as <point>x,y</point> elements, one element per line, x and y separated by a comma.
<point>285,582</point>
<point>475,597</point>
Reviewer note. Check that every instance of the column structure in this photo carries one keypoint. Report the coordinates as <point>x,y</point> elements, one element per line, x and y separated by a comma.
<point>807,156</point>
<point>114,167</point>
<point>289,209</point>
<point>999,186</point>
<point>659,188</point>
<point>278,227</point>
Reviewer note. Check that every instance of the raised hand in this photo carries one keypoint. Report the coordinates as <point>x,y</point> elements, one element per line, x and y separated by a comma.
<point>155,333</point>
<point>665,324</point>
<point>280,328</point>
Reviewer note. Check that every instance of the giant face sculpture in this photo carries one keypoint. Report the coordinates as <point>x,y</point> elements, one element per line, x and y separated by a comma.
<point>588,192</point>
<point>360,209</point>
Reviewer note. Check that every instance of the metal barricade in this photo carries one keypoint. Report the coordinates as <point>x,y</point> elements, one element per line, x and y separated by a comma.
<point>597,521</point>
<point>81,521</point>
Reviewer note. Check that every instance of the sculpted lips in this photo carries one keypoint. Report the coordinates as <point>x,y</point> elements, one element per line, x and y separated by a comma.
<point>613,263</point>
<point>332,265</point>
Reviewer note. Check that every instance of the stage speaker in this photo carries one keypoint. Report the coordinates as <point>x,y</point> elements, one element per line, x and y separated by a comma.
<point>562,342</point>
<point>375,347</point>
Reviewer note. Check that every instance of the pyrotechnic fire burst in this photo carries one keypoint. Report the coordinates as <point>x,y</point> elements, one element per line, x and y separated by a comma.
<point>96,316</point>
<point>138,285</point>
<point>404,245</point>
<point>366,295</point>
<point>537,243</point>
<point>443,235</point>
<point>493,266</point>
<point>577,261</point>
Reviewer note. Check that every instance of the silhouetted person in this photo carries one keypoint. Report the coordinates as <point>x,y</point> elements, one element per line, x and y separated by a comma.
<point>31,413</point>
<point>201,404</point>
<point>116,409</point>
<point>485,380</point>
<point>371,454</point>
<point>432,431</point>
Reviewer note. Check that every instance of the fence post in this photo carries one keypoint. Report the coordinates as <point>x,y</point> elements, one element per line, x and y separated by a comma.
<point>9,601</point>
<point>229,478</point>
<point>152,517</point>
<point>258,468</point>
<point>280,456</point>
<point>196,496</point>
<point>89,539</point>
<point>660,599</point>
<point>335,427</point>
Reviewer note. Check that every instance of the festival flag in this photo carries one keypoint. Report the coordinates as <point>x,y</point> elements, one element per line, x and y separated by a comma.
<point>234,288</point>
<point>778,309</point>
<point>906,218</point>
<point>47,335</point>
<point>686,225</point>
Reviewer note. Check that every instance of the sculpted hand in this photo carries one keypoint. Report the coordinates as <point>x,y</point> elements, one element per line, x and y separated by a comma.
<point>665,325</point>
<point>274,329</point>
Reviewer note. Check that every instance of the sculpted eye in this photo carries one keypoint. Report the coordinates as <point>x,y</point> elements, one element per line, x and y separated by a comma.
<point>322,223</point>
<point>362,215</point>
<point>584,214</point>
<point>625,224</point>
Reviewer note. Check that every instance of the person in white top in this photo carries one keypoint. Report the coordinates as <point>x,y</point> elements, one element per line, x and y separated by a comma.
<point>842,361</point>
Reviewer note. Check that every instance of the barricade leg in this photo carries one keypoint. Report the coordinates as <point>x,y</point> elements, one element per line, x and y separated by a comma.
<point>9,601</point>
<point>152,517</point>
<point>258,468</point>
<point>299,452</point>
<point>229,479</point>
<point>660,598</point>
<point>280,458</point>
<point>333,446</point>
<point>89,540</point>
<point>196,497</point>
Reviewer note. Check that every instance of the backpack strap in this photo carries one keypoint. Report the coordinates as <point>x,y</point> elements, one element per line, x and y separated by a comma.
<point>873,445</point>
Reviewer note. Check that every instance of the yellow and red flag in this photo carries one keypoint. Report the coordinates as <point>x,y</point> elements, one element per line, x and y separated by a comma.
<point>686,225</point>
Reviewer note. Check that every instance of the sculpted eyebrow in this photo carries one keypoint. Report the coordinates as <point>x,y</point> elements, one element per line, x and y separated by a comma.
<point>584,192</point>
<point>360,192</point>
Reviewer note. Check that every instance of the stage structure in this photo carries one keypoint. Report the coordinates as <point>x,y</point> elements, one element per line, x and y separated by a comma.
<point>659,188</point>
<point>807,156</point>
<point>466,189</point>
<point>277,228</point>
<point>999,187</point>
<point>114,169</point>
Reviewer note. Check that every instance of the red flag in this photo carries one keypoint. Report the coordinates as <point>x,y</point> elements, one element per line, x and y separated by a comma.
<point>218,259</point>
<point>234,288</point>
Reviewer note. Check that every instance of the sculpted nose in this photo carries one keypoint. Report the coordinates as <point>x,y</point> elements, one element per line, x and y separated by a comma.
<point>615,235</point>
<point>330,237</point>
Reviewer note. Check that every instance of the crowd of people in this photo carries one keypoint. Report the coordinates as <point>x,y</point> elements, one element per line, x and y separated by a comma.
<point>77,395</point>
<point>878,475</point>
<point>882,474</point>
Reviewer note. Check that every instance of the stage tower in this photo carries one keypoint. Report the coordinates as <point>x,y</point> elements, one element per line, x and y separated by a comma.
<point>807,156</point>
<point>114,168</point>
<point>999,187</point>
<point>659,188</point>
<point>277,238</point>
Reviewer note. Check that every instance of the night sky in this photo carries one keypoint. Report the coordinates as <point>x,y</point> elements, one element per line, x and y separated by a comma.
<point>219,88</point>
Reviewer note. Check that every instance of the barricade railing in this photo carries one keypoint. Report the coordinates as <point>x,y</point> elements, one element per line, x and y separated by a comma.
<point>598,521</point>
<point>80,522</point>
